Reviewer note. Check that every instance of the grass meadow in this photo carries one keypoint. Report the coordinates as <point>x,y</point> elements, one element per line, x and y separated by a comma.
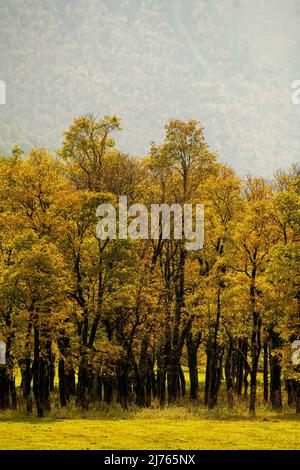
<point>184,426</point>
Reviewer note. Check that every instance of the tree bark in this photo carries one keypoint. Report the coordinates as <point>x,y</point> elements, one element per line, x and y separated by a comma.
<point>192,344</point>
<point>229,374</point>
<point>275,372</point>
<point>266,371</point>
<point>255,343</point>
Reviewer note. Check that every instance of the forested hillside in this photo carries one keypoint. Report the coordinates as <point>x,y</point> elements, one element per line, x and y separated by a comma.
<point>229,64</point>
<point>135,321</point>
<point>12,134</point>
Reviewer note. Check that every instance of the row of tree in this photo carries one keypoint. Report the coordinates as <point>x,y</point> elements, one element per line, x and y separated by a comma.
<point>118,319</point>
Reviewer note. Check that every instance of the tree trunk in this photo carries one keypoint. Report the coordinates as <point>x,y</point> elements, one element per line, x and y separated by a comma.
<point>242,351</point>
<point>182,382</point>
<point>207,374</point>
<point>229,374</point>
<point>161,377</point>
<point>107,390</point>
<point>291,389</point>
<point>297,397</point>
<point>246,383</point>
<point>275,372</point>
<point>192,349</point>
<point>149,381</point>
<point>215,376</point>
<point>63,345</point>
<point>173,378</point>
<point>93,389</point>
<point>4,388</point>
<point>266,371</point>
<point>62,383</point>
<point>216,356</point>
<point>255,343</point>
<point>41,369</point>
<point>71,382</point>
<point>82,385</point>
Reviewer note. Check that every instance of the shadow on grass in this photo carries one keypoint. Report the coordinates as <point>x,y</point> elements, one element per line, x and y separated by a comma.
<point>183,410</point>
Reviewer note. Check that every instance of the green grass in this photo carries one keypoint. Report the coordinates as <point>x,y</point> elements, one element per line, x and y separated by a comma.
<point>185,426</point>
<point>169,428</point>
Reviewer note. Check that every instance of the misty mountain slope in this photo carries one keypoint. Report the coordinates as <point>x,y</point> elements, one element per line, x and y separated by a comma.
<point>228,64</point>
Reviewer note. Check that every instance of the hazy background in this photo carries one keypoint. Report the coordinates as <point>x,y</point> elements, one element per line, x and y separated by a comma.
<point>229,64</point>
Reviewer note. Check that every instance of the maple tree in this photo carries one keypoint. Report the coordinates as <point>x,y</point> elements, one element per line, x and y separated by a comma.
<point>123,319</point>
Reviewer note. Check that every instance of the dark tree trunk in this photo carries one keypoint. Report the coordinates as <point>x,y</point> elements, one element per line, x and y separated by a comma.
<point>124,389</point>
<point>161,382</point>
<point>154,383</point>
<point>82,385</point>
<point>139,389</point>
<point>107,390</point>
<point>207,374</point>
<point>239,368</point>
<point>182,382</point>
<point>71,382</point>
<point>8,395</point>
<point>62,383</point>
<point>255,343</point>
<point>63,345</point>
<point>291,389</point>
<point>192,344</point>
<point>148,387</point>
<point>275,372</point>
<point>123,369</point>
<point>173,378</point>
<point>150,379</point>
<point>13,392</point>
<point>215,355</point>
<point>215,376</point>
<point>253,386</point>
<point>100,388</point>
<point>51,367</point>
<point>297,397</point>
<point>140,373</point>
<point>27,374</point>
<point>41,370</point>
<point>4,388</point>
<point>255,353</point>
<point>246,383</point>
<point>266,371</point>
<point>161,377</point>
<point>93,389</point>
<point>229,374</point>
<point>175,338</point>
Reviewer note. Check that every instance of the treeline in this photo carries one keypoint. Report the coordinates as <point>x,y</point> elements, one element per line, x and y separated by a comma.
<point>117,320</point>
